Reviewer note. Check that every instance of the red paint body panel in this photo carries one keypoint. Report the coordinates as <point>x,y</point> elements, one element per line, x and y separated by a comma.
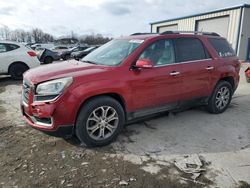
<point>248,72</point>
<point>139,89</point>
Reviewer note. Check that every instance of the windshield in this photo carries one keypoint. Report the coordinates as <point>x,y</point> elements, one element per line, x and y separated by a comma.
<point>112,53</point>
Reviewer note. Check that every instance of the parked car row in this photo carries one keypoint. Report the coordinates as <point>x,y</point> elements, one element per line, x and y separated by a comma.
<point>67,53</point>
<point>77,55</point>
<point>47,56</point>
<point>16,58</point>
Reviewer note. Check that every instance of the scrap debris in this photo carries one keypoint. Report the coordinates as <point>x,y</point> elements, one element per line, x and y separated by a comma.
<point>190,165</point>
<point>123,183</point>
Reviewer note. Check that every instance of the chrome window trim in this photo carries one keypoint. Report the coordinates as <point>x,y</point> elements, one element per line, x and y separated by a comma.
<point>184,62</point>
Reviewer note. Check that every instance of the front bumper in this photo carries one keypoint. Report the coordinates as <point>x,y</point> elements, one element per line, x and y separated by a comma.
<point>55,117</point>
<point>48,128</point>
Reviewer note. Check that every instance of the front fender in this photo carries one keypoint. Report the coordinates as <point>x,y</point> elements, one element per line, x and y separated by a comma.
<point>87,91</point>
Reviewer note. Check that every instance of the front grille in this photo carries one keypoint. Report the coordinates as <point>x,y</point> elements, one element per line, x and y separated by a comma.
<point>26,92</point>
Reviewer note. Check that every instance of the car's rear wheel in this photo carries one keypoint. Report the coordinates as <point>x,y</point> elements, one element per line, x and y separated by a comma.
<point>16,71</point>
<point>220,98</point>
<point>100,121</point>
<point>48,60</point>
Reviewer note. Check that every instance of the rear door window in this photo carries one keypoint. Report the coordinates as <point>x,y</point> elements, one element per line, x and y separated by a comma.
<point>189,49</point>
<point>3,48</point>
<point>222,47</point>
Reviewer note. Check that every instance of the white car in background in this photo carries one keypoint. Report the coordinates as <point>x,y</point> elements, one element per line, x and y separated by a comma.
<point>48,46</point>
<point>16,58</point>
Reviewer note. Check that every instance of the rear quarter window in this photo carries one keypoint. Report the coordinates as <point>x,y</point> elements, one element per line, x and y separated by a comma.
<point>11,47</point>
<point>222,47</point>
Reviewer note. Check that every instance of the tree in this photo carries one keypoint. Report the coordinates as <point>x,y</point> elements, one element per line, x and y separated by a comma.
<point>5,33</point>
<point>97,39</point>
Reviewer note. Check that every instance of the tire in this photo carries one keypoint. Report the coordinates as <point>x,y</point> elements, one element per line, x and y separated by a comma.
<point>222,94</point>
<point>66,57</point>
<point>16,71</point>
<point>91,130</point>
<point>48,60</point>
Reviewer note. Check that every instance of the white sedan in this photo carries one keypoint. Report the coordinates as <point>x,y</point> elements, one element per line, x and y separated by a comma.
<point>16,58</point>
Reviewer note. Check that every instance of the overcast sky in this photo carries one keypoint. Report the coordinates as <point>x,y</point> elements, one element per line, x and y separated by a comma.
<point>108,17</point>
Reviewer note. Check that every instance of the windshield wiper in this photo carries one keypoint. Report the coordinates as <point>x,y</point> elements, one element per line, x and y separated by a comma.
<point>90,62</point>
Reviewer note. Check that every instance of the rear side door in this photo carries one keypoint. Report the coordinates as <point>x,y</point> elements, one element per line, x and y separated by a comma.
<point>157,88</point>
<point>197,67</point>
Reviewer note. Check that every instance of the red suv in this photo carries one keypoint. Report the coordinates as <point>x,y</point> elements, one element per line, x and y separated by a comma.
<point>129,78</point>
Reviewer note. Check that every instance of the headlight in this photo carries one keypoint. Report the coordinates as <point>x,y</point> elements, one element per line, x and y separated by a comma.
<point>53,87</point>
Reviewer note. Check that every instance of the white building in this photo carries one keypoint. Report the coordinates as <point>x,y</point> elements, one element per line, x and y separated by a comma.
<point>232,23</point>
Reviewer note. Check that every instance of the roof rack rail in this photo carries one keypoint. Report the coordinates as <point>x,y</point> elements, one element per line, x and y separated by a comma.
<point>191,32</point>
<point>142,34</point>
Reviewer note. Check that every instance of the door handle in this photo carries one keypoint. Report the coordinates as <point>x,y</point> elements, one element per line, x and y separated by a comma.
<point>174,73</point>
<point>210,68</point>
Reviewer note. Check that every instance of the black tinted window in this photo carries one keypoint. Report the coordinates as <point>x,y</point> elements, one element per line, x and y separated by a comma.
<point>222,47</point>
<point>11,47</point>
<point>189,49</point>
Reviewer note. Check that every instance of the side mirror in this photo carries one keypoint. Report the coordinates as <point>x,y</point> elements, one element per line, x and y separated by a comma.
<point>144,64</point>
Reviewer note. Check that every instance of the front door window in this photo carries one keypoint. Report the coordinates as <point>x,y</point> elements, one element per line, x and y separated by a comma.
<point>160,53</point>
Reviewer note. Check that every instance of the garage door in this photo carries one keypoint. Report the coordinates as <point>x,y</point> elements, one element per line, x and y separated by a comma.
<point>218,25</point>
<point>167,28</point>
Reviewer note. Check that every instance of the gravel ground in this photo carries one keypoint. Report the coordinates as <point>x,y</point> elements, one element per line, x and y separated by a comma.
<point>143,155</point>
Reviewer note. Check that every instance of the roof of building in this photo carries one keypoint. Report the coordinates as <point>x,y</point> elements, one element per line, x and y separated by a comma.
<point>204,13</point>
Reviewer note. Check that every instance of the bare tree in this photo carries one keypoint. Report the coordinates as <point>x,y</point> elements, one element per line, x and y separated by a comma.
<point>5,33</point>
<point>38,36</point>
<point>97,39</point>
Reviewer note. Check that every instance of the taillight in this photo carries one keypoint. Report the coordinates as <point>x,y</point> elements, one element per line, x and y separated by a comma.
<point>32,54</point>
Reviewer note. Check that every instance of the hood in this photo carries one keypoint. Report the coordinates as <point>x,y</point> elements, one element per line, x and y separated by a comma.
<point>59,70</point>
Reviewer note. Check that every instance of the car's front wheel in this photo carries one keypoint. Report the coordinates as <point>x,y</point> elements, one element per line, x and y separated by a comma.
<point>220,98</point>
<point>100,121</point>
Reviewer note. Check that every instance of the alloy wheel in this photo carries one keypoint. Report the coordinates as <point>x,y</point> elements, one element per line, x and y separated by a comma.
<point>102,123</point>
<point>222,98</point>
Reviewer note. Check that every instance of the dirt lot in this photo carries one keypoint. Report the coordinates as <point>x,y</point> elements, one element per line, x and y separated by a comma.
<point>143,156</point>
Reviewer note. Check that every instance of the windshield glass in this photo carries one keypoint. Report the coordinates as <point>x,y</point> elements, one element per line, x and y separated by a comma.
<point>113,53</point>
